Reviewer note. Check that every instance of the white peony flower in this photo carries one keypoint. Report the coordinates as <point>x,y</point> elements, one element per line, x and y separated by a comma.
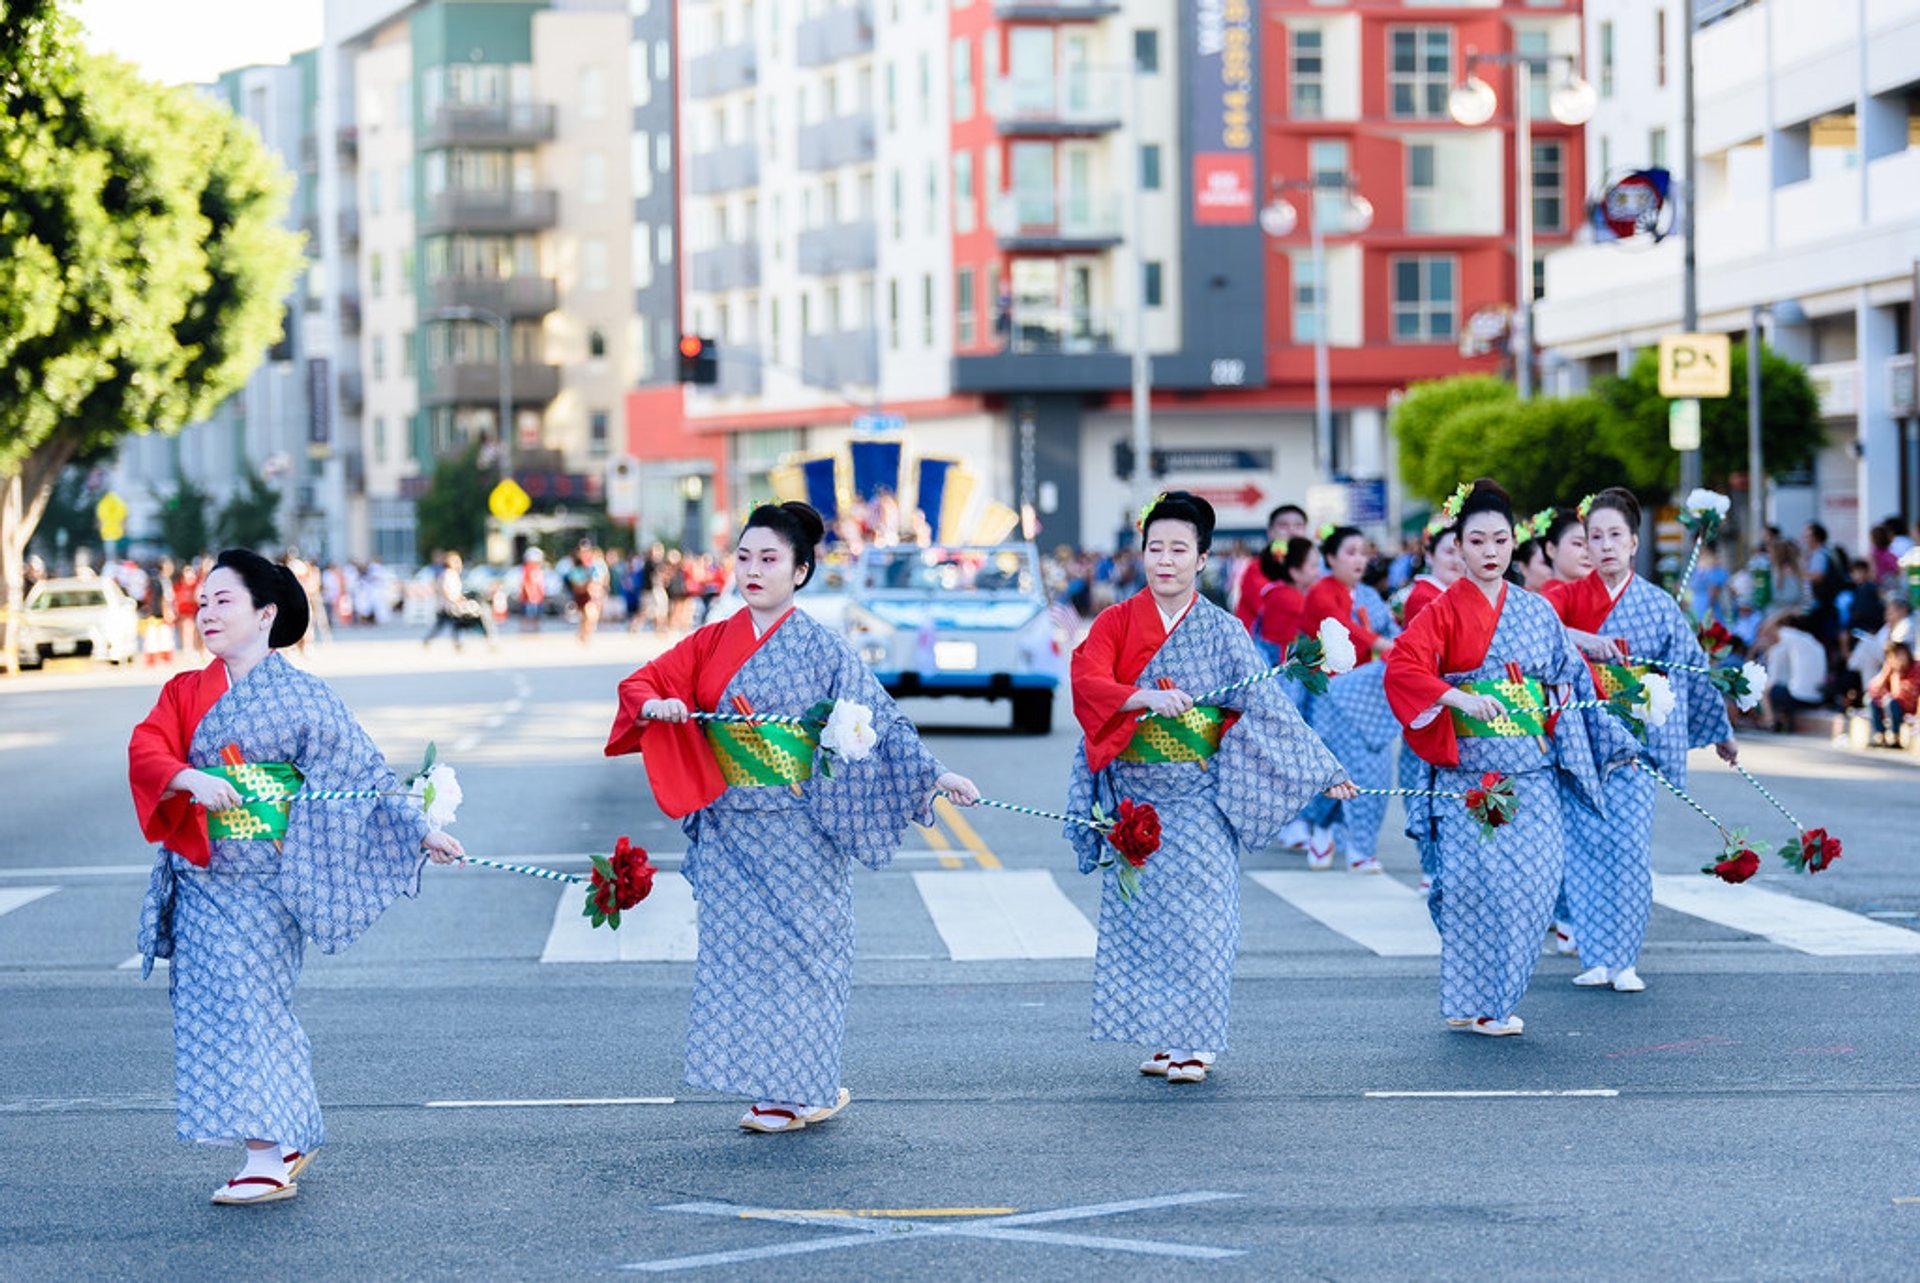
<point>849,731</point>
<point>1708,501</point>
<point>438,794</point>
<point>1336,643</point>
<point>1657,703</point>
<point>1756,675</point>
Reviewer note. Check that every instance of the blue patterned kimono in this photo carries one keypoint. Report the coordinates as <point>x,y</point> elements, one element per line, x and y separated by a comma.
<point>1492,897</point>
<point>236,930</point>
<point>1163,968</point>
<point>772,874</point>
<point>1356,723</point>
<point>1610,854</point>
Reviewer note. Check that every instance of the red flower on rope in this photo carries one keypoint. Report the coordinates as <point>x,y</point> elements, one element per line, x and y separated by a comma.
<point>1493,803</point>
<point>618,883</point>
<point>1811,851</point>
<point>1736,864</point>
<point>1136,833</point>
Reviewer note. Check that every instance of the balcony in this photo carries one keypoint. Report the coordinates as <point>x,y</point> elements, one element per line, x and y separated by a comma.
<point>346,146</point>
<point>491,211</point>
<point>723,71</point>
<point>843,31</point>
<point>512,124</point>
<point>843,140</point>
<point>844,247</point>
<point>846,359</point>
<point>517,296</point>
<point>478,383</point>
<point>1050,349</point>
<point>740,370</point>
<point>1057,221</point>
<point>724,169</point>
<point>352,401</point>
<point>1053,10</point>
<point>1078,105</point>
<point>349,315</point>
<point>733,266</point>
<point>347,224</point>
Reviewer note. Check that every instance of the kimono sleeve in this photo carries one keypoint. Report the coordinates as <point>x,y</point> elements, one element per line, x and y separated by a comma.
<point>345,862</point>
<point>1707,721</point>
<point>1414,685</point>
<point>157,753</point>
<point>680,766</point>
<point>1099,697</point>
<point>865,806</point>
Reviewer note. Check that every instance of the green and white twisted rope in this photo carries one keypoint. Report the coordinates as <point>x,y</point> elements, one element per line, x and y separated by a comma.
<point>324,795</point>
<point>1684,796</point>
<point>551,875</point>
<point>1410,793</point>
<point>763,719</point>
<point>1017,809</point>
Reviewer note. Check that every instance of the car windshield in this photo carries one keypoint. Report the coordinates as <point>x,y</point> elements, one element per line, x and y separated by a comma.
<point>926,570</point>
<point>69,599</point>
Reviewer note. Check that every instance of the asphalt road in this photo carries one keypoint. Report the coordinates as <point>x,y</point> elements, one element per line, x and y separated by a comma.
<point>1751,1116</point>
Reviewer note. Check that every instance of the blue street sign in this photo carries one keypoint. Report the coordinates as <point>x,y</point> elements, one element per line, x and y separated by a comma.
<point>879,422</point>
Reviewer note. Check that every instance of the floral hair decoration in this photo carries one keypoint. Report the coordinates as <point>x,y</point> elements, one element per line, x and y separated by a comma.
<point>1585,507</point>
<point>1146,513</point>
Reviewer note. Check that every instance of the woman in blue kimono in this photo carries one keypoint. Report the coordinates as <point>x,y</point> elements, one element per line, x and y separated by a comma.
<point>1613,613</point>
<point>1464,680</point>
<point>1220,778</point>
<point>233,908</point>
<point>772,840</point>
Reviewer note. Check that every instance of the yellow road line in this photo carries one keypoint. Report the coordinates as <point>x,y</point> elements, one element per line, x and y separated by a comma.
<point>934,838</point>
<point>915,1212</point>
<point>964,831</point>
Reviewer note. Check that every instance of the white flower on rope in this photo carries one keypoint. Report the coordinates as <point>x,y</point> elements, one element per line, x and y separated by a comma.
<point>1336,643</point>
<point>849,731</point>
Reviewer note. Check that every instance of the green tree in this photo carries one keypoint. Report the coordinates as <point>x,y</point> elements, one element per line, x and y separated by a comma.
<point>1418,422</point>
<point>142,261</point>
<point>451,515</point>
<point>183,520</point>
<point>69,522</point>
<point>250,518</point>
<point>1791,431</point>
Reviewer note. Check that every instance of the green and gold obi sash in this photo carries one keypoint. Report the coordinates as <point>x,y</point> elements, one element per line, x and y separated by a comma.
<point>1523,698</point>
<point>1615,678</point>
<point>1194,736</point>
<point>762,754</point>
<point>255,820</point>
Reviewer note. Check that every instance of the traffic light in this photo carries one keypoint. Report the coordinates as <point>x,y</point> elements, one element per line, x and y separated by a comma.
<point>699,361</point>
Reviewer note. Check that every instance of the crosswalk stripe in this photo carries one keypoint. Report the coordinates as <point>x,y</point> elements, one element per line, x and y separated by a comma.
<point>660,929</point>
<point>1383,915</point>
<point>1806,925</point>
<point>1004,913</point>
<point>12,898</point>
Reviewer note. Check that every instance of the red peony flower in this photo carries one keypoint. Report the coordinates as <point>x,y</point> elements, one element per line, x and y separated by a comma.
<point>1136,833</point>
<point>1816,850</point>
<point>1737,867</point>
<point>632,872</point>
<point>1491,780</point>
<point>1496,817</point>
<point>1476,799</point>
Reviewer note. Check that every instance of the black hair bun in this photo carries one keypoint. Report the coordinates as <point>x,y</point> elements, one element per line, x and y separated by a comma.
<point>1182,505</point>
<point>812,526</point>
<point>291,620</point>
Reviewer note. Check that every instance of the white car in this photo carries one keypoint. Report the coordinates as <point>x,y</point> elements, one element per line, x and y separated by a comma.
<point>971,622</point>
<point>65,617</point>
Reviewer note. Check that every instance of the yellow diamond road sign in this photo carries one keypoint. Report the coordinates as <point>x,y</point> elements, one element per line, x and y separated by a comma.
<point>508,501</point>
<point>111,513</point>
<point>1695,365</point>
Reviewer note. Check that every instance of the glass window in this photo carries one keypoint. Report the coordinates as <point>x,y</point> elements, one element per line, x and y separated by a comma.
<point>1307,73</point>
<point>1606,59</point>
<point>962,78</point>
<point>408,362</point>
<point>1549,187</point>
<point>1536,44</point>
<point>1328,160</point>
<point>373,191</point>
<point>593,264</point>
<point>1419,71</point>
<point>926,310</point>
<point>1659,47</point>
<point>1424,298</point>
<point>593,177</point>
<point>963,196</point>
<point>1306,298</point>
<point>379,350</point>
<point>1152,276</point>
<point>1657,148</point>
<point>1146,50</point>
<point>1149,167</point>
<point>598,423</point>
<point>1423,193</point>
<point>593,93</point>
<point>893,314</point>
<point>596,343</point>
<point>373,274</point>
<point>963,305</point>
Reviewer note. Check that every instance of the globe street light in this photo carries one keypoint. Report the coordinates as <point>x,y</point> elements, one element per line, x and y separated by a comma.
<point>1278,219</point>
<point>1472,102</point>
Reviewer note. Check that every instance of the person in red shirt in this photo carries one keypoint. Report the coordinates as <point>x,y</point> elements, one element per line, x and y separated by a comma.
<point>1893,695</point>
<point>1284,524</point>
<point>1291,570</point>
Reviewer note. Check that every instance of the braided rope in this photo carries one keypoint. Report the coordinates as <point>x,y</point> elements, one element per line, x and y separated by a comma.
<point>1777,805</point>
<point>1703,669</point>
<point>1278,670</point>
<point>1411,793</point>
<point>1682,794</point>
<point>325,795</point>
<point>1039,814</point>
<point>763,719</point>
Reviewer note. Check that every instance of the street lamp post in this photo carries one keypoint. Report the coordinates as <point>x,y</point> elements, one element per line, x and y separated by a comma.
<point>1278,219</point>
<point>503,328</point>
<point>1472,102</point>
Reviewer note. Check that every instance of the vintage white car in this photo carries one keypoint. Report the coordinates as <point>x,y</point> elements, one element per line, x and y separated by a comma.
<point>79,617</point>
<point>971,622</point>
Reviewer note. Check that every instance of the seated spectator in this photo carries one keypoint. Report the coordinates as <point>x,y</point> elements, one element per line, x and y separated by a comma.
<point>1797,668</point>
<point>1893,696</point>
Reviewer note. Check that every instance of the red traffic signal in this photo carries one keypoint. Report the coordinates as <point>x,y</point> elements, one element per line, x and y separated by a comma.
<point>699,363</point>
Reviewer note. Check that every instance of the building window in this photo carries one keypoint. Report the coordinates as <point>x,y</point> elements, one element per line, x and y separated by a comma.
<point>593,93</point>
<point>408,361</point>
<point>379,440</point>
<point>1420,71</point>
<point>598,423</point>
<point>1657,148</point>
<point>926,310</point>
<point>933,198</point>
<point>1329,161</point>
<point>663,152</point>
<point>1149,167</point>
<point>1306,298</point>
<point>596,344</point>
<point>1146,50</point>
<point>1660,47</point>
<point>373,191</point>
<point>925,88</point>
<point>593,264</point>
<point>963,305</point>
<point>663,244</point>
<point>374,275</point>
<point>893,314</point>
<point>963,206</point>
<point>1423,192</point>
<point>1606,59</point>
<point>1424,298</point>
<point>892,97</point>
<point>962,78</point>
<point>1307,73</point>
<point>593,177</point>
<point>1151,277</point>
<point>379,351</point>
<point>1549,187</point>
<point>899,202</point>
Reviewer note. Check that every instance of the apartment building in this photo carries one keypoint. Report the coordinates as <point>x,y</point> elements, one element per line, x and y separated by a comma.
<point>1808,162</point>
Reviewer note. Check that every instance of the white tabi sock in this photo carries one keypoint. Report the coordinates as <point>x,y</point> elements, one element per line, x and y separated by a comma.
<point>263,1162</point>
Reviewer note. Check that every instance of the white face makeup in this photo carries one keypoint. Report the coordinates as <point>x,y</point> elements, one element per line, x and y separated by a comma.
<point>1569,557</point>
<point>1173,558</point>
<point>1611,543</point>
<point>1448,565</point>
<point>228,621</point>
<point>763,567</point>
<point>1486,544</point>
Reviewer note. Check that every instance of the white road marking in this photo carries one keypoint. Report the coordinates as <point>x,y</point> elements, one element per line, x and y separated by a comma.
<point>662,928</point>
<point>587,1102</point>
<point>1004,913</point>
<point>1376,912</point>
<point>12,898</point>
<point>79,871</point>
<point>1806,925</point>
<point>1591,1093</point>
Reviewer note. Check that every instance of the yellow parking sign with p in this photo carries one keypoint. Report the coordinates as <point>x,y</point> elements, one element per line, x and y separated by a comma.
<point>1696,365</point>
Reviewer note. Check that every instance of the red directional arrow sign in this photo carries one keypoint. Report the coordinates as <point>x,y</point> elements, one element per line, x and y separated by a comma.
<point>1247,496</point>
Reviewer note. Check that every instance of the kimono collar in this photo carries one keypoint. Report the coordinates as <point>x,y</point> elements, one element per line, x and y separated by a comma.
<point>1612,592</point>
<point>761,634</point>
<point>1467,591</point>
<point>1172,621</point>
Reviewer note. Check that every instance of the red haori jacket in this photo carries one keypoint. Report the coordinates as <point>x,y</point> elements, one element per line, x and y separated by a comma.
<point>1451,635</point>
<point>158,752</point>
<point>1253,585</point>
<point>681,770</point>
<point>1424,593</point>
<point>1331,599</point>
